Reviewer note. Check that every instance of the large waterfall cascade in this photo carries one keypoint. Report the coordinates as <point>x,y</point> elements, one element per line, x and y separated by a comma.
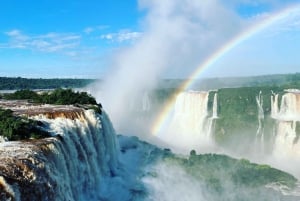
<point>286,140</point>
<point>193,121</point>
<point>191,112</point>
<point>83,152</point>
<point>191,126</point>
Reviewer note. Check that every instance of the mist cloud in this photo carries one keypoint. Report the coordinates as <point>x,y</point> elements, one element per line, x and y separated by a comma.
<point>177,36</point>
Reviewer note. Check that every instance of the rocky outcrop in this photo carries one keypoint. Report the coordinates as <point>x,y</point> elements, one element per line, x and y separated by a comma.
<point>68,166</point>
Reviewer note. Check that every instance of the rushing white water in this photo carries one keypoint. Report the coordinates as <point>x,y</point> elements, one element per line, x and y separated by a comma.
<point>290,107</point>
<point>74,163</point>
<point>215,107</point>
<point>86,154</point>
<point>260,129</point>
<point>191,112</point>
<point>274,105</point>
<point>191,126</point>
<point>287,116</point>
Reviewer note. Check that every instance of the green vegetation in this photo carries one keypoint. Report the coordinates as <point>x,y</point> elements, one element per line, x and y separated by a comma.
<point>232,179</point>
<point>214,167</point>
<point>238,116</point>
<point>287,80</point>
<point>58,96</point>
<point>18,83</point>
<point>18,128</point>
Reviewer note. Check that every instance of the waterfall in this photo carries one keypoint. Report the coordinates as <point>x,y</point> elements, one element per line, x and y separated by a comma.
<point>190,127</point>
<point>260,117</point>
<point>274,105</point>
<point>215,107</point>
<point>191,112</point>
<point>286,139</point>
<point>211,120</point>
<point>285,142</point>
<point>69,166</point>
<point>290,106</point>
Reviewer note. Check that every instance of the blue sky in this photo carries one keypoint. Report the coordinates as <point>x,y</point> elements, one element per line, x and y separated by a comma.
<point>64,38</point>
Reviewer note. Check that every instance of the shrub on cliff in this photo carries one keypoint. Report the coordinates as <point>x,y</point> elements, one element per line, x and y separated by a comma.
<point>66,97</point>
<point>21,95</point>
<point>18,128</point>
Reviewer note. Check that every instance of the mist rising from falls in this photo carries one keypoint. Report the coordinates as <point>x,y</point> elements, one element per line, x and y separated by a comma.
<point>173,183</point>
<point>146,105</point>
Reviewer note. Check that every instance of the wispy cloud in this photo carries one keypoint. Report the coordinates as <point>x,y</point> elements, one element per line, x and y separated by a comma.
<point>121,36</point>
<point>91,29</point>
<point>50,42</point>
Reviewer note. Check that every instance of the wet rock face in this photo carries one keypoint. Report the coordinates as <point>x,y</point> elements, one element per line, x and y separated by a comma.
<point>25,170</point>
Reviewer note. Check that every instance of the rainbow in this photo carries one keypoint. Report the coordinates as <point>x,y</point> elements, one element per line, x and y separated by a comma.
<point>165,114</point>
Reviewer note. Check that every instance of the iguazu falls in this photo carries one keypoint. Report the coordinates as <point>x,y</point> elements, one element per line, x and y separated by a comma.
<point>223,144</point>
<point>150,100</point>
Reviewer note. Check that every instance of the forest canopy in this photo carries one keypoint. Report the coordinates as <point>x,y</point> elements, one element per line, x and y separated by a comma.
<point>17,83</point>
<point>18,128</point>
<point>58,97</point>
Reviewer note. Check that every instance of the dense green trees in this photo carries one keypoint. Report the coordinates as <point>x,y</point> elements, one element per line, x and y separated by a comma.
<point>18,128</point>
<point>58,96</point>
<point>226,178</point>
<point>21,95</point>
<point>8,83</point>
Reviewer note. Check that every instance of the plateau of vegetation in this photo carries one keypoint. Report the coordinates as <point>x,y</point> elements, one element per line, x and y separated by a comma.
<point>57,96</point>
<point>279,80</point>
<point>17,83</point>
<point>19,128</point>
<point>226,178</point>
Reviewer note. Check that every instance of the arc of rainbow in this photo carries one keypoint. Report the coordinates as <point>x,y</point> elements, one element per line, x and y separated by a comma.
<point>251,31</point>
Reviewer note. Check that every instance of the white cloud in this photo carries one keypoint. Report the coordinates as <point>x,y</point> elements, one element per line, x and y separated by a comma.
<point>91,29</point>
<point>121,36</point>
<point>50,42</point>
<point>88,30</point>
<point>17,35</point>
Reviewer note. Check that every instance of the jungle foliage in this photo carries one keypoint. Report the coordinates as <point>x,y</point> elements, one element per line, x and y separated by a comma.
<point>19,128</point>
<point>227,178</point>
<point>17,83</point>
<point>58,97</point>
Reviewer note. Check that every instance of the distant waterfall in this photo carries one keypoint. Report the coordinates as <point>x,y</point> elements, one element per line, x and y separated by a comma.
<point>215,107</point>
<point>274,105</point>
<point>191,126</point>
<point>70,166</point>
<point>191,112</point>
<point>260,117</point>
<point>290,106</point>
<point>286,136</point>
<point>211,120</point>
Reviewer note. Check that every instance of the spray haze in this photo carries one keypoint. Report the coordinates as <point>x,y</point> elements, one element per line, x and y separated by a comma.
<point>177,36</point>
